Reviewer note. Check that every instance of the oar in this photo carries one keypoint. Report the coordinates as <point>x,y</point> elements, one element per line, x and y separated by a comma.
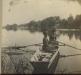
<point>69,45</point>
<point>38,44</point>
<point>17,47</point>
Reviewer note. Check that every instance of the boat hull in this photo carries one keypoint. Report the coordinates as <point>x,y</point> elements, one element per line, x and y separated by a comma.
<point>46,67</point>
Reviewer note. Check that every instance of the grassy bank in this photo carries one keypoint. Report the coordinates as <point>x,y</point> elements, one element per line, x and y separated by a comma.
<point>16,62</point>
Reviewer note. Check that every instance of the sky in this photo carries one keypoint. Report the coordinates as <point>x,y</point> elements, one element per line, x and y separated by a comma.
<point>23,11</point>
<point>79,1</point>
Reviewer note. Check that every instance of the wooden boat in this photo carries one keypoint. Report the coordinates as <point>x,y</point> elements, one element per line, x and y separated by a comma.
<point>45,62</point>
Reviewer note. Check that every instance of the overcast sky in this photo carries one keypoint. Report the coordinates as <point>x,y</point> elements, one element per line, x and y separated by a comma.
<point>23,11</point>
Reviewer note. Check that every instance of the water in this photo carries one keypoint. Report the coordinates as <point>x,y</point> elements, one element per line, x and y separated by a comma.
<point>69,64</point>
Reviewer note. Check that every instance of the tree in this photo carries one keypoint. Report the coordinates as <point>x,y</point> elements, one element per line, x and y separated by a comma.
<point>47,23</point>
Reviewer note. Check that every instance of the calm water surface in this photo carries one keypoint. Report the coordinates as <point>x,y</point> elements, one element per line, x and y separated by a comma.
<point>69,64</point>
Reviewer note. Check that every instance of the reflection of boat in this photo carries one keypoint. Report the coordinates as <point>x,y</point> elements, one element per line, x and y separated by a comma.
<point>45,62</point>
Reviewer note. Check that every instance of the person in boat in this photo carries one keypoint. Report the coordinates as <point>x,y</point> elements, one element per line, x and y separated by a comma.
<point>52,36</point>
<point>45,41</point>
<point>55,38</point>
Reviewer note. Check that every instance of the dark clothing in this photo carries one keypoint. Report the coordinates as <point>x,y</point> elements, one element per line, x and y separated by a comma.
<point>45,41</point>
<point>45,44</point>
<point>51,35</point>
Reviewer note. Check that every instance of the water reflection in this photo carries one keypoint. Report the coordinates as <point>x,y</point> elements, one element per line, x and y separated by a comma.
<point>70,34</point>
<point>69,55</point>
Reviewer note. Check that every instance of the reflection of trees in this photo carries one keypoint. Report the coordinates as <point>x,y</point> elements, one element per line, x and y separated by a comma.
<point>70,34</point>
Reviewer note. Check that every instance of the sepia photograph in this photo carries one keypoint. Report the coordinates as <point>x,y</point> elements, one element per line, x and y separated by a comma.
<point>40,36</point>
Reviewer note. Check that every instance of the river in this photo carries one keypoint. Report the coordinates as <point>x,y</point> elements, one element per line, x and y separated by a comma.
<point>69,64</point>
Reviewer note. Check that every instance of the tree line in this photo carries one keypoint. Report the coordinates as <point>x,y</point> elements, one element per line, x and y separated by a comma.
<point>48,23</point>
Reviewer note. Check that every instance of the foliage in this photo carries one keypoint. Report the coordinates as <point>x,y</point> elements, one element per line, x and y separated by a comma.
<point>15,64</point>
<point>48,23</point>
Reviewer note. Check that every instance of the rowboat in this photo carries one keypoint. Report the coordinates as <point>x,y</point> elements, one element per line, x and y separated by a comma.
<point>45,62</point>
